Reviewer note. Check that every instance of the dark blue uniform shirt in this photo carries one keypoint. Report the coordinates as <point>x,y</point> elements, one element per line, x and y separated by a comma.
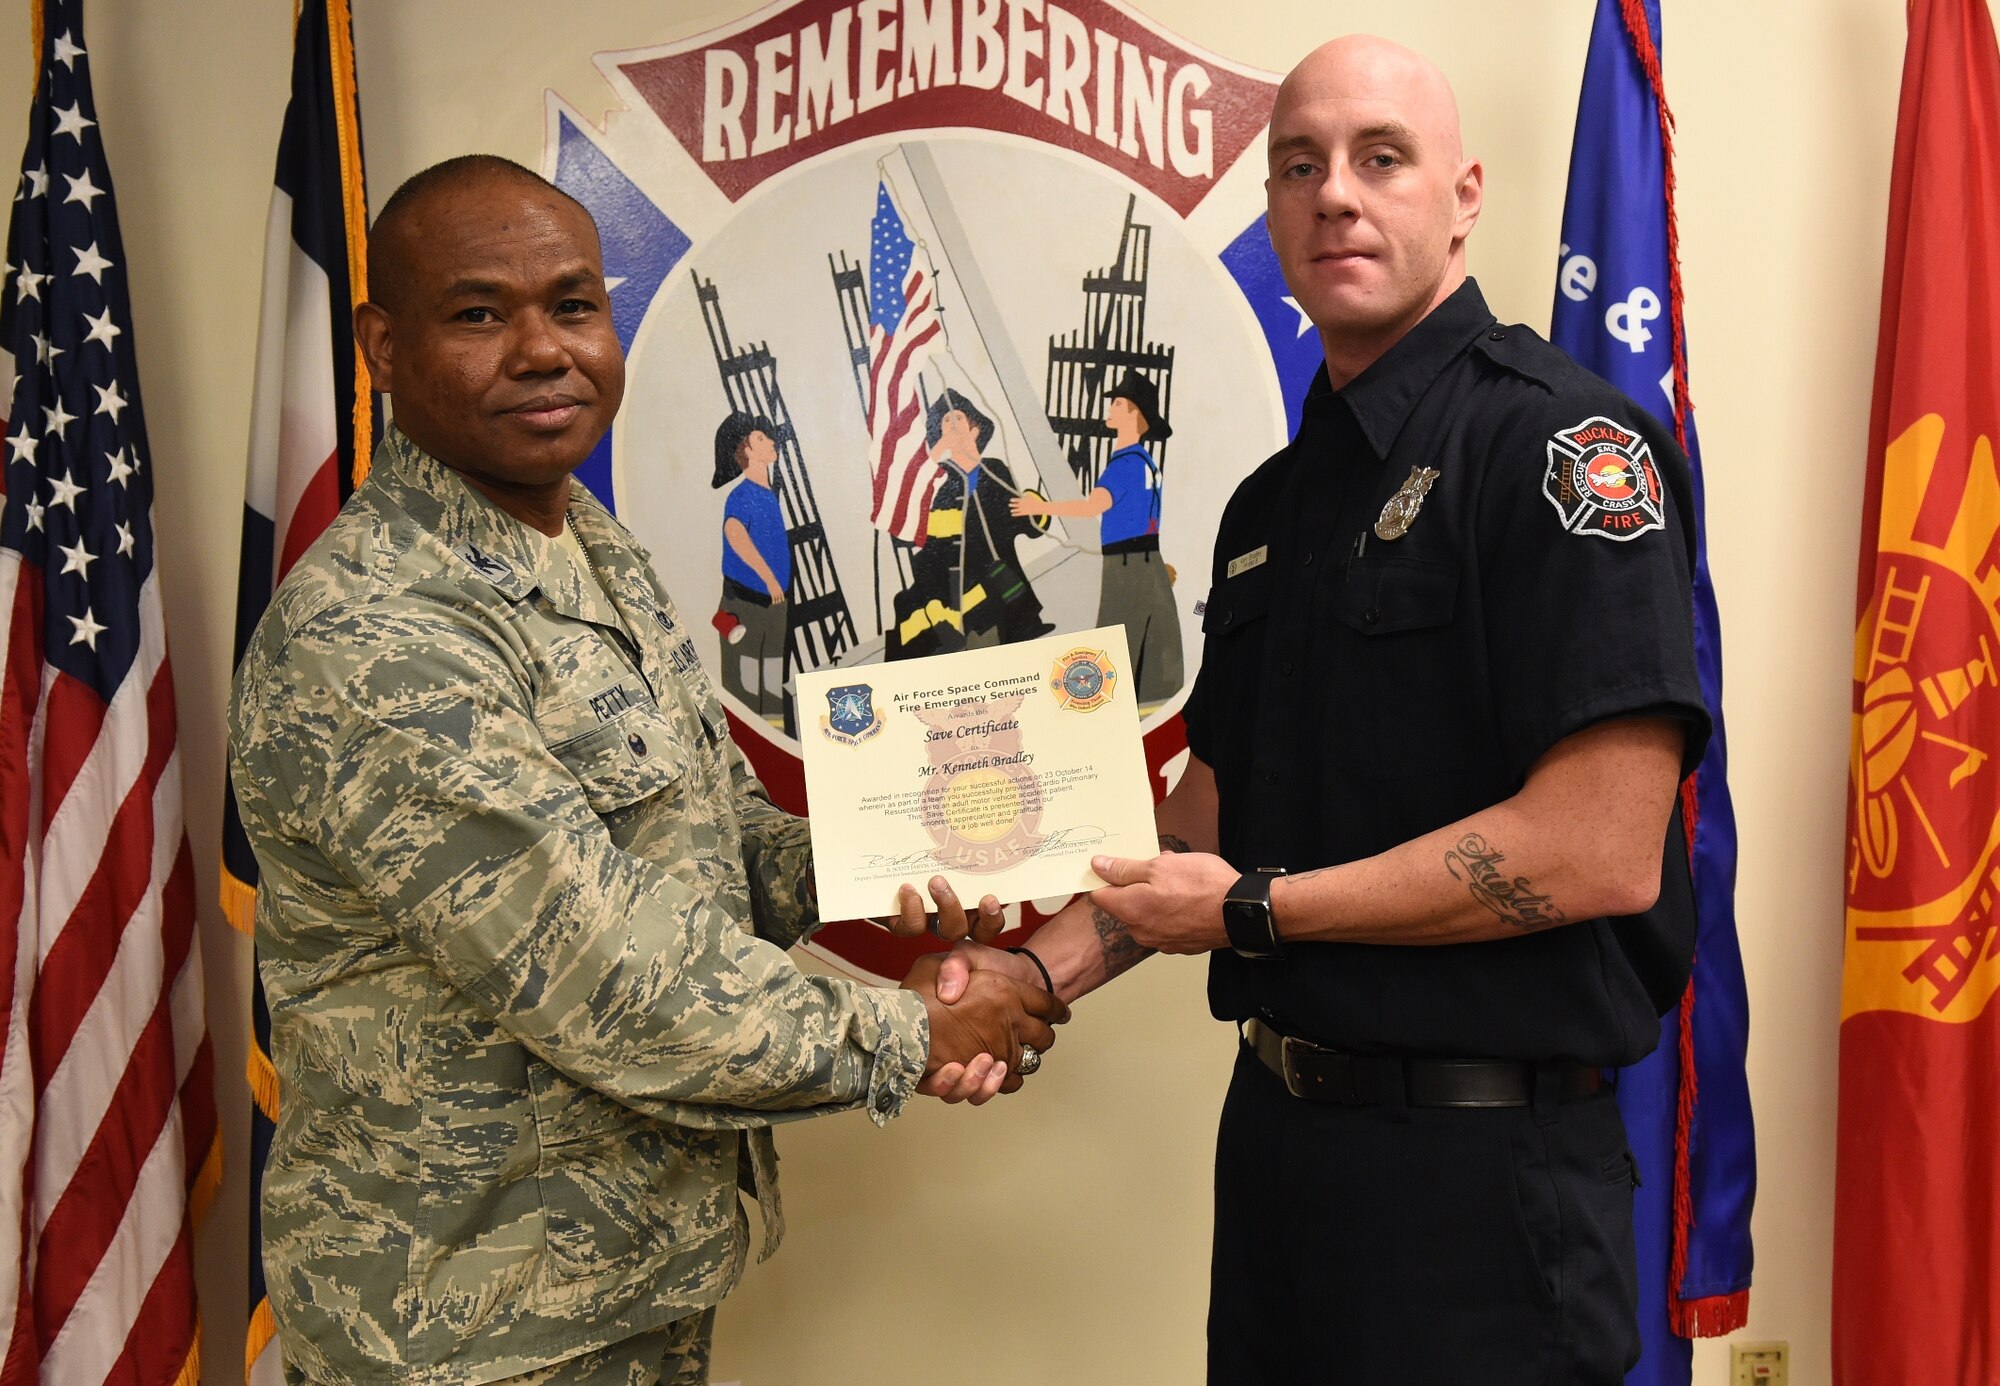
<point>1357,691</point>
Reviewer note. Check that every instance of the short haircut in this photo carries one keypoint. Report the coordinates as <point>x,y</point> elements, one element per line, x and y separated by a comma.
<point>386,248</point>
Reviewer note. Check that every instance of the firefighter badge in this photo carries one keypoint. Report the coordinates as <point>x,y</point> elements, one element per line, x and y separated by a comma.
<point>1602,480</point>
<point>1401,511</point>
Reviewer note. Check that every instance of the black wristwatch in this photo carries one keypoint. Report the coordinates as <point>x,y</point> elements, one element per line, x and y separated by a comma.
<point>1246,914</point>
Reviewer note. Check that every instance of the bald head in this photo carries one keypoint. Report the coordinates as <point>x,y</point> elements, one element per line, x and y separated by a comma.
<point>1362,68</point>
<point>1370,196</point>
<point>409,219</point>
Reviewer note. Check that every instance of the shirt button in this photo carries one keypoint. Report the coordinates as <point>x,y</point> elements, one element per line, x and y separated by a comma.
<point>1288,666</point>
<point>884,1100</point>
<point>1307,559</point>
<point>1496,335</point>
<point>1371,618</point>
<point>1227,617</point>
<point>1270,777</point>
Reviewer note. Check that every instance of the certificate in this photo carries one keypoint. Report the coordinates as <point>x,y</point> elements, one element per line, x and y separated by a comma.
<point>1003,770</point>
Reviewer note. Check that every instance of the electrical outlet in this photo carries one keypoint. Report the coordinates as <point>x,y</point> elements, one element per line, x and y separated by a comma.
<point>1759,1364</point>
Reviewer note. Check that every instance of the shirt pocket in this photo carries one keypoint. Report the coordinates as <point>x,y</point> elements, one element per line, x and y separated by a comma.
<point>625,761</point>
<point>1391,596</point>
<point>1397,681</point>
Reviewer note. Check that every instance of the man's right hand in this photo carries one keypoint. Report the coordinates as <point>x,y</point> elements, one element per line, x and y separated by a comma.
<point>976,1039</point>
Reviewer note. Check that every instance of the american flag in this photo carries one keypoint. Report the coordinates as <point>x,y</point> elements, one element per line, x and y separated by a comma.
<point>903,326</point>
<point>108,1140</point>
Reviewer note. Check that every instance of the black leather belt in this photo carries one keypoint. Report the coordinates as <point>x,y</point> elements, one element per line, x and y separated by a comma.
<point>1361,1080</point>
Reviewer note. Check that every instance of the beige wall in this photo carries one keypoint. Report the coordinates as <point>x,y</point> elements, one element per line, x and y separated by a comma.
<point>1062,1236</point>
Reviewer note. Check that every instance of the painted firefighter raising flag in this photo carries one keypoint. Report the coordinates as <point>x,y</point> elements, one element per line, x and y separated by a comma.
<point>1916,1228</point>
<point>108,1142</point>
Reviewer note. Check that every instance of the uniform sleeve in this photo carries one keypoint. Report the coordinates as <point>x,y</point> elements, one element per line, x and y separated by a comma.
<point>1586,545</point>
<point>777,858</point>
<point>435,796</point>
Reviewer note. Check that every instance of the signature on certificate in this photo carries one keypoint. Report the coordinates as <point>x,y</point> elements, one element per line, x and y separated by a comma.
<point>1074,839</point>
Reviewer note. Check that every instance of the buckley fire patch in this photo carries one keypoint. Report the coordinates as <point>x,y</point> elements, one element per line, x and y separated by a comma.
<point>1601,480</point>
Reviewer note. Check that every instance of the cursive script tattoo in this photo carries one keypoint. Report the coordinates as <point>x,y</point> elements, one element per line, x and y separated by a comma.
<point>1477,862</point>
<point>1121,951</point>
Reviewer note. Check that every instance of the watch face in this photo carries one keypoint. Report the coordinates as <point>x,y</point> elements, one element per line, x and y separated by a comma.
<point>1248,923</point>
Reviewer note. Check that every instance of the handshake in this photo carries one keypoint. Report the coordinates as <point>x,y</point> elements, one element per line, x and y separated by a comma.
<point>991,1016</point>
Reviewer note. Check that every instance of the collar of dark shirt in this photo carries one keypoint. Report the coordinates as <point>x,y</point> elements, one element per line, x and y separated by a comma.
<point>1381,397</point>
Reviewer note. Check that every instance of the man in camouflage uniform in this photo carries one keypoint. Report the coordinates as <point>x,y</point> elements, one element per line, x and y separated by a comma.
<point>523,907</point>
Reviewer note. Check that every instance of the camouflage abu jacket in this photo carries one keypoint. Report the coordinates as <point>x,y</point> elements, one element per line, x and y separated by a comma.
<point>511,863</point>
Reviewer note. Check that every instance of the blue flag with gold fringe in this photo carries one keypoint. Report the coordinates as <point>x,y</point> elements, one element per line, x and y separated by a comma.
<point>1687,1105</point>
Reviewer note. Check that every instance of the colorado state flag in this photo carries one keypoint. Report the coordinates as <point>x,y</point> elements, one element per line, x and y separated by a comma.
<point>312,429</point>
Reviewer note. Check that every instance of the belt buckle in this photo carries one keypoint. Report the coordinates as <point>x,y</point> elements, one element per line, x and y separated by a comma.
<point>1288,1046</point>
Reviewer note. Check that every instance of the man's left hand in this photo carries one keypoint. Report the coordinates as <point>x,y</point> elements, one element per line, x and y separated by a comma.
<point>1172,903</point>
<point>951,921</point>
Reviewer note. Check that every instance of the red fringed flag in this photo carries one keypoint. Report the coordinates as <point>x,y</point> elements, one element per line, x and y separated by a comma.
<point>108,1141</point>
<point>1916,1297</point>
<point>312,429</point>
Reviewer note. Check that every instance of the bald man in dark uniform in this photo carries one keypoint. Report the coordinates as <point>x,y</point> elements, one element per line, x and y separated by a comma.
<point>1427,833</point>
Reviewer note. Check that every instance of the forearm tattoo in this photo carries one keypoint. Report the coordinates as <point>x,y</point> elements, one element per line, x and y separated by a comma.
<point>1121,951</point>
<point>1477,862</point>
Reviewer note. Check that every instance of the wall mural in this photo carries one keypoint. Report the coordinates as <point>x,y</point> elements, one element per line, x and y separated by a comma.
<point>949,323</point>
